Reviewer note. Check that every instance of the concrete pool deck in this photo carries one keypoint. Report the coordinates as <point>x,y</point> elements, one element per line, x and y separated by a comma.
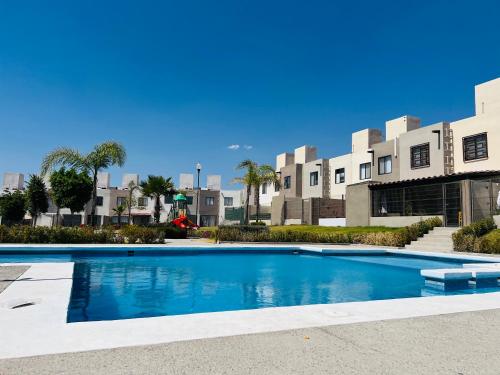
<point>438,345</point>
<point>10,274</point>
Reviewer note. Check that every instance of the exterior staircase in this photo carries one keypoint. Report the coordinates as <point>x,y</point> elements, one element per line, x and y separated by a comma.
<point>438,240</point>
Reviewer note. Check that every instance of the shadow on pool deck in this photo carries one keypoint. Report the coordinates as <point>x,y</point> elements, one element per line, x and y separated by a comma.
<point>464,343</point>
<point>8,274</point>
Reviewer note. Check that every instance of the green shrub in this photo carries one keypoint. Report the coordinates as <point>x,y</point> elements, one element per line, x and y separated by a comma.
<point>56,235</point>
<point>400,237</point>
<point>469,238</point>
<point>139,234</point>
<point>489,243</point>
<point>258,223</point>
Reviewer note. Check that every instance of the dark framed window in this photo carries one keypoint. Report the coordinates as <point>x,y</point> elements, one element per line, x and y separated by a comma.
<point>276,187</point>
<point>121,201</point>
<point>340,176</point>
<point>142,201</point>
<point>475,147</point>
<point>189,199</point>
<point>209,201</point>
<point>287,182</point>
<point>313,178</point>
<point>264,188</point>
<point>228,201</point>
<point>168,199</point>
<point>420,156</point>
<point>365,171</point>
<point>99,201</point>
<point>385,164</point>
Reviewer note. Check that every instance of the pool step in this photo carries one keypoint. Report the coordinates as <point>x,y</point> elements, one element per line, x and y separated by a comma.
<point>460,278</point>
<point>439,239</point>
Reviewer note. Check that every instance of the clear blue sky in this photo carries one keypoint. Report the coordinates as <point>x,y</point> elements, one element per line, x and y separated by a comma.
<point>179,81</point>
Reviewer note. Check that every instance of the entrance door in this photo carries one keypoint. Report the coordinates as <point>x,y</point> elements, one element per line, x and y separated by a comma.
<point>452,204</point>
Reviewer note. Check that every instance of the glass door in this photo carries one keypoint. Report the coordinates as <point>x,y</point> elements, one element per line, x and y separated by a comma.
<point>452,204</point>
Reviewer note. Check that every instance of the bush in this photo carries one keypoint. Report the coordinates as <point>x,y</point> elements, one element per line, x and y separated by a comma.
<point>167,230</point>
<point>489,243</point>
<point>469,238</point>
<point>258,223</point>
<point>56,235</point>
<point>401,237</point>
<point>138,234</point>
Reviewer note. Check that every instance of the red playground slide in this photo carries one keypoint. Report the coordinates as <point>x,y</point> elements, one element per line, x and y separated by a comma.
<point>184,223</point>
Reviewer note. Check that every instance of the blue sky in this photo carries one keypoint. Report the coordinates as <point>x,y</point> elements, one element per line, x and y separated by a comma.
<point>179,81</point>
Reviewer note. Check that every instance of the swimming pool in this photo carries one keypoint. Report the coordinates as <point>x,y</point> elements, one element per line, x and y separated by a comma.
<point>119,286</point>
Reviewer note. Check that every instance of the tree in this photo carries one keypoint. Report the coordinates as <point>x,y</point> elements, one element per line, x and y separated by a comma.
<point>12,207</point>
<point>37,198</point>
<point>102,156</point>
<point>264,174</point>
<point>119,212</point>
<point>70,189</point>
<point>154,187</point>
<point>131,201</point>
<point>249,180</point>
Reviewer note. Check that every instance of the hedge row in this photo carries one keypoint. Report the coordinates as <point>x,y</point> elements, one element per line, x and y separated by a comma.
<point>472,238</point>
<point>84,235</point>
<point>263,234</point>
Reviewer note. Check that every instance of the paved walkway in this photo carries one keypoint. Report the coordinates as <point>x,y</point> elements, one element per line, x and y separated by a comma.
<point>9,274</point>
<point>464,343</point>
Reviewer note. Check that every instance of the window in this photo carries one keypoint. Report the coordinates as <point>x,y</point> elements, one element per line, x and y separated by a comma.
<point>209,201</point>
<point>264,188</point>
<point>287,182</point>
<point>385,164</point>
<point>276,187</point>
<point>99,201</point>
<point>419,200</point>
<point>168,199</point>
<point>228,201</point>
<point>313,179</point>
<point>420,156</point>
<point>121,201</point>
<point>365,171</point>
<point>189,200</point>
<point>340,176</point>
<point>142,202</point>
<point>475,147</point>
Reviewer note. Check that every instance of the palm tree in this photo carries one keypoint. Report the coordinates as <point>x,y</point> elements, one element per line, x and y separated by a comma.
<point>154,187</point>
<point>249,180</point>
<point>264,174</point>
<point>119,212</point>
<point>130,199</point>
<point>102,156</point>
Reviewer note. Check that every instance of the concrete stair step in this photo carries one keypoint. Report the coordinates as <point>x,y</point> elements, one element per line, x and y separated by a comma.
<point>428,248</point>
<point>430,240</point>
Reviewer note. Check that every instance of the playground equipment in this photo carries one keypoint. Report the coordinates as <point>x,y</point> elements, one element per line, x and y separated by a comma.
<point>178,213</point>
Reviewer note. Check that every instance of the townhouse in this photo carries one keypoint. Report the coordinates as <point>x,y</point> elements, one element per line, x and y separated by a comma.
<point>449,169</point>
<point>446,169</point>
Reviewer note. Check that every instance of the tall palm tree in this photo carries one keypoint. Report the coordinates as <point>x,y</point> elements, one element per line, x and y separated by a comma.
<point>249,180</point>
<point>265,174</point>
<point>154,187</point>
<point>130,199</point>
<point>101,157</point>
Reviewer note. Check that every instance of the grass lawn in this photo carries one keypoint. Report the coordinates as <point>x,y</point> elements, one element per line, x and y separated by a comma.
<point>331,230</point>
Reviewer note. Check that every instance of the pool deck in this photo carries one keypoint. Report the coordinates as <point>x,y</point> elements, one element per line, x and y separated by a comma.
<point>10,274</point>
<point>438,345</point>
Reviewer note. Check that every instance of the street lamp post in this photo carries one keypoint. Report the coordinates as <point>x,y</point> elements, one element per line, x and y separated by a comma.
<point>198,170</point>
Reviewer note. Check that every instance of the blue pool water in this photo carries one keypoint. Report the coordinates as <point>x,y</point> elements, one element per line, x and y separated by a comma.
<point>117,286</point>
